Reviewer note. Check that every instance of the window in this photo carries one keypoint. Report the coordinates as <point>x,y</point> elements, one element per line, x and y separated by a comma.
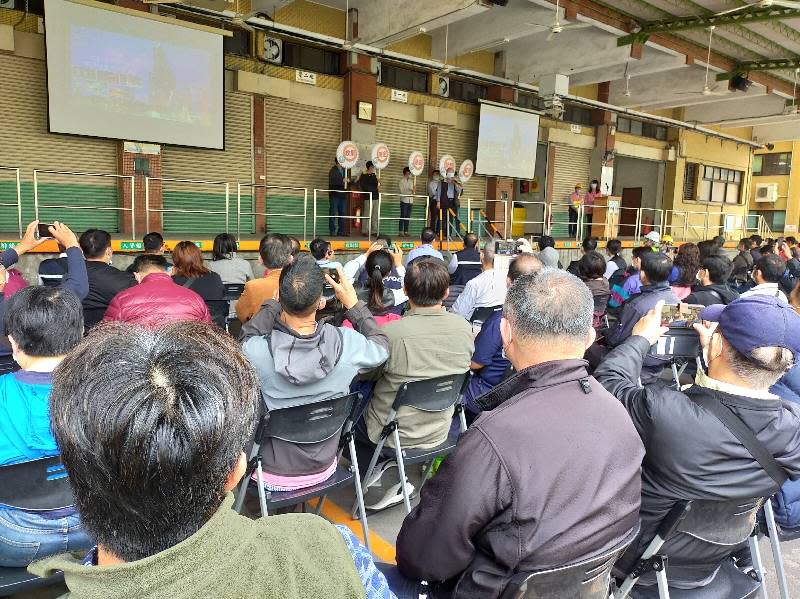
<point>775,219</point>
<point>530,101</point>
<point>720,185</point>
<point>467,91</point>
<point>310,58</point>
<point>765,165</point>
<point>642,129</point>
<point>578,115</point>
<point>238,44</point>
<point>690,182</point>
<point>401,78</point>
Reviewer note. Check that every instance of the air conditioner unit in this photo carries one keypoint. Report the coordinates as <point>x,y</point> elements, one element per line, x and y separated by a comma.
<point>766,192</point>
<point>442,86</point>
<point>273,50</point>
<point>6,3</point>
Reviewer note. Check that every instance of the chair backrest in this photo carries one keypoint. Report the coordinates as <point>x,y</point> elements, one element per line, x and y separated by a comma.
<point>51,281</point>
<point>309,423</point>
<point>721,522</point>
<point>37,485</point>
<point>233,291</point>
<point>432,395</point>
<point>587,579</point>
<point>455,291</point>
<point>482,314</point>
<point>219,310</point>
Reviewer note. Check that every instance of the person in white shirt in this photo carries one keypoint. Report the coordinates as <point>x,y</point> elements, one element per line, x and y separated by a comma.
<point>484,290</point>
<point>425,248</point>
<point>767,273</point>
<point>407,190</point>
<point>615,261</point>
<point>433,199</point>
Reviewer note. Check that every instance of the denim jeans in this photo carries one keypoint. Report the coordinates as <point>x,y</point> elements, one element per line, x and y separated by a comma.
<point>336,222</point>
<point>26,536</point>
<point>405,214</point>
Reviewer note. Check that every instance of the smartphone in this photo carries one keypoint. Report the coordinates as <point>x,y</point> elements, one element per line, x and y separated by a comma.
<point>43,231</point>
<point>333,274</point>
<point>681,315</point>
<point>505,248</point>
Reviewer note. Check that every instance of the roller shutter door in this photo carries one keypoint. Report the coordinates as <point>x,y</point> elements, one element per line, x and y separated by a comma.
<point>462,145</point>
<point>571,166</point>
<point>26,144</point>
<point>234,165</point>
<point>402,137</point>
<point>301,146</point>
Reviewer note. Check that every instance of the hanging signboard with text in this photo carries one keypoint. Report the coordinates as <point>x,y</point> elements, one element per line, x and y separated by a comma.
<point>416,163</point>
<point>347,154</point>
<point>447,163</point>
<point>380,155</point>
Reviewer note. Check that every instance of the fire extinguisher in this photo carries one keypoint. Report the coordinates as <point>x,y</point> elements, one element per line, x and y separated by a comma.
<point>357,220</point>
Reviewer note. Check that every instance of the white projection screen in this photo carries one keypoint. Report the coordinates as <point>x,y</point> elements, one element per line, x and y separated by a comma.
<point>507,140</point>
<point>112,74</point>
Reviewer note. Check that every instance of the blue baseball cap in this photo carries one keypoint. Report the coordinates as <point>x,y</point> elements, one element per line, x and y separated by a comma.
<point>757,321</point>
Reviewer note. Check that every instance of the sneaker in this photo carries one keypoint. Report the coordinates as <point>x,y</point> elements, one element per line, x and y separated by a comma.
<point>393,496</point>
<point>378,472</point>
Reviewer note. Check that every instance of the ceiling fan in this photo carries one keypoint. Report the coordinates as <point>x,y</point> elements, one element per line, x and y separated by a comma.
<point>762,4</point>
<point>556,26</point>
<point>627,93</point>
<point>707,89</point>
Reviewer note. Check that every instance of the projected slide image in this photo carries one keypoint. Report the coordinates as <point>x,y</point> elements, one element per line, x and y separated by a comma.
<point>137,76</point>
<point>507,141</point>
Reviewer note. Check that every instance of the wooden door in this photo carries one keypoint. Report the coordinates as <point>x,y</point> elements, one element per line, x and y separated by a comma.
<point>631,202</point>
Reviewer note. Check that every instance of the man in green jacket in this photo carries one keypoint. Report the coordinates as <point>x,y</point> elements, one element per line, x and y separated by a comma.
<point>151,426</point>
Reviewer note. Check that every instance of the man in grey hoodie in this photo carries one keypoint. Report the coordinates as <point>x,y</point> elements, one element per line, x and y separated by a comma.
<point>301,361</point>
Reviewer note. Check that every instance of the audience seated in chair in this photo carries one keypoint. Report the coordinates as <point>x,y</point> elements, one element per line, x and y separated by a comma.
<point>382,301</point>
<point>713,285</point>
<point>52,270</point>
<point>43,325</point>
<point>190,272</point>
<point>536,482</point>
<point>232,269</point>
<point>548,253</point>
<point>489,363</point>
<point>157,299</point>
<point>427,342</point>
<point>105,281</point>
<point>767,273</point>
<point>300,361</point>
<point>465,264</point>
<point>427,239</point>
<point>684,270</point>
<point>152,426</point>
<point>323,253</point>
<point>691,454</point>
<point>152,243</point>
<point>615,261</point>
<point>483,291</point>
<point>275,253</point>
<point>589,244</point>
<point>591,270</point>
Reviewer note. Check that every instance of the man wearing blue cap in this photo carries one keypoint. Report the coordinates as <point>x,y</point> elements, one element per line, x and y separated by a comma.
<point>689,454</point>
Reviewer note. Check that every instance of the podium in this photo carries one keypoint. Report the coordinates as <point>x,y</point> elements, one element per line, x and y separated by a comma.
<point>605,218</point>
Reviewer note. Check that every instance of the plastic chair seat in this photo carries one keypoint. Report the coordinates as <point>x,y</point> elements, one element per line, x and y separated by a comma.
<point>730,583</point>
<point>278,499</point>
<point>415,456</point>
<point>17,580</point>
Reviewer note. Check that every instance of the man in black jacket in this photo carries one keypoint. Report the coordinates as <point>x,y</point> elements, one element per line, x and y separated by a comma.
<point>713,287</point>
<point>589,244</point>
<point>466,264</point>
<point>690,454</point>
<point>337,184</point>
<point>369,184</point>
<point>548,475</point>
<point>105,281</point>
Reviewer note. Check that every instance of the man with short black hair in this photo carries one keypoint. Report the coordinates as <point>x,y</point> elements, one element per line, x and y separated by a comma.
<point>368,182</point>
<point>427,237</point>
<point>300,361</point>
<point>713,288</point>
<point>615,261</point>
<point>742,263</point>
<point>337,195</point>
<point>755,247</point>
<point>152,243</point>
<point>157,299</point>
<point>719,241</point>
<point>427,342</point>
<point>589,244</point>
<point>274,252</point>
<point>465,264</point>
<point>767,274</point>
<point>152,461</point>
<point>547,252</point>
<point>323,252</point>
<point>496,507</point>
<point>690,453</point>
<point>105,281</point>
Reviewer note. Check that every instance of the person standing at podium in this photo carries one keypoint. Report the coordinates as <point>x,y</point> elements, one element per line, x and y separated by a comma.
<point>588,205</point>
<point>575,202</point>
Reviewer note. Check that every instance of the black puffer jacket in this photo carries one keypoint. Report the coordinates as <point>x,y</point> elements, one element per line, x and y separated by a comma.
<point>708,295</point>
<point>689,454</point>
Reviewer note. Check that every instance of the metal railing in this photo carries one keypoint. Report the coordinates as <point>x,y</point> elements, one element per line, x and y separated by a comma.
<point>267,188</point>
<point>385,199</point>
<point>542,223</point>
<point>148,181</point>
<point>365,226</point>
<point>37,205</point>
<point>18,187</point>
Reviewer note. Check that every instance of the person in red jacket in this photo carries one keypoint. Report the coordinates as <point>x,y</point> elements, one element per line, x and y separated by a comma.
<point>156,300</point>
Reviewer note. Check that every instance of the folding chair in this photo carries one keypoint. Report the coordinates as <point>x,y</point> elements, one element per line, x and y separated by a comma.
<point>38,485</point>
<point>770,529</point>
<point>311,423</point>
<point>719,523</point>
<point>232,293</point>
<point>482,314</point>
<point>432,395</point>
<point>588,579</point>
<point>219,309</point>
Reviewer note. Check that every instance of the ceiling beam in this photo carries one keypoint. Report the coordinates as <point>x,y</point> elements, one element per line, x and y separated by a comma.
<point>744,17</point>
<point>760,65</point>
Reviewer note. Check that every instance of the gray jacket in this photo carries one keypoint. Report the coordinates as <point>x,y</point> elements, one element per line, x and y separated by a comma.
<point>232,270</point>
<point>303,369</point>
<point>689,454</point>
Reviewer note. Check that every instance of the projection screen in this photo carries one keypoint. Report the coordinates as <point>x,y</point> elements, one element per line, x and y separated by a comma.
<point>507,141</point>
<point>111,74</point>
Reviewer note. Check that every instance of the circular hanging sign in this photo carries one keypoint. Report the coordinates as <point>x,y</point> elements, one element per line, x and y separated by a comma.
<point>447,163</point>
<point>416,163</point>
<point>466,170</point>
<point>347,154</point>
<point>380,156</point>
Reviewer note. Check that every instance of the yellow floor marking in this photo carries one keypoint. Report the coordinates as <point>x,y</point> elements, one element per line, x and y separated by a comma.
<point>382,549</point>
